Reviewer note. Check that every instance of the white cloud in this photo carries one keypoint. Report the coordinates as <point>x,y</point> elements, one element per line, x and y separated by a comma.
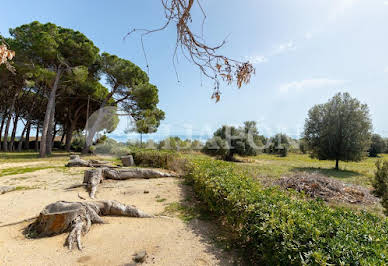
<point>257,59</point>
<point>299,86</point>
<point>284,47</point>
<point>385,3</point>
<point>386,69</point>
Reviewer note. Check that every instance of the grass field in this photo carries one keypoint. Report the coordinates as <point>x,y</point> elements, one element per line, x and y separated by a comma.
<point>261,166</point>
<point>272,166</point>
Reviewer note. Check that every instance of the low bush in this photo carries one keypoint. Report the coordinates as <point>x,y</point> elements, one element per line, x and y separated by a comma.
<point>380,183</point>
<point>284,228</point>
<point>160,159</point>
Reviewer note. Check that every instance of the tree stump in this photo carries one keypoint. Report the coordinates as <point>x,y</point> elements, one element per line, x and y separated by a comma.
<point>128,160</point>
<point>92,178</point>
<point>77,218</point>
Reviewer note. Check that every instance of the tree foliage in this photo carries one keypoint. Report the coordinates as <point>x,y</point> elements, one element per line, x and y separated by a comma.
<point>228,141</point>
<point>57,88</point>
<point>339,129</point>
<point>380,183</point>
<point>377,145</point>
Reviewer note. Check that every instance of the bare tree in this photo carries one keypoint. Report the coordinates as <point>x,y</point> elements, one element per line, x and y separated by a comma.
<point>194,48</point>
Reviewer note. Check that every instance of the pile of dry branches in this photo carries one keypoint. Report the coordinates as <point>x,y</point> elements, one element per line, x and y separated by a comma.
<point>328,189</point>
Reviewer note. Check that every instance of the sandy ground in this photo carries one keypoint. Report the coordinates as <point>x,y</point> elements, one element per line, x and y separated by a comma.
<point>167,241</point>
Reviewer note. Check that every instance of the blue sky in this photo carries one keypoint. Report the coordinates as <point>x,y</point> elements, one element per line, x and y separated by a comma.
<point>304,52</point>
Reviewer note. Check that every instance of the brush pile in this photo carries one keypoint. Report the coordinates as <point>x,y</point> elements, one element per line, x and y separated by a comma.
<point>329,189</point>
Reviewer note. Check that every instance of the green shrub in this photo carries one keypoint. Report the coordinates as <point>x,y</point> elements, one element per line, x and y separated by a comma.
<point>380,183</point>
<point>283,228</point>
<point>160,159</point>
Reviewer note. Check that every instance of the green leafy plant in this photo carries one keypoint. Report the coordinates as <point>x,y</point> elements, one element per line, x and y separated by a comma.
<point>380,183</point>
<point>284,228</point>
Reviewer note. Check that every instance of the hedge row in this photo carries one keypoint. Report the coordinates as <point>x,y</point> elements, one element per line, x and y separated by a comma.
<point>282,228</point>
<point>160,159</point>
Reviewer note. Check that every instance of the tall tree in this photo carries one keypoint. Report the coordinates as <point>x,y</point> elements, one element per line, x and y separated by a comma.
<point>129,87</point>
<point>55,49</point>
<point>338,130</point>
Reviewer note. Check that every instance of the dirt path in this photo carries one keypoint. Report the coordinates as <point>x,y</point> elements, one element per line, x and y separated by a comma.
<point>168,241</point>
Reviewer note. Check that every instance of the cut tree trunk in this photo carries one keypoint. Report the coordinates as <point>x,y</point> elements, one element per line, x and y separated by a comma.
<point>130,173</point>
<point>77,218</point>
<point>93,177</point>
<point>76,161</point>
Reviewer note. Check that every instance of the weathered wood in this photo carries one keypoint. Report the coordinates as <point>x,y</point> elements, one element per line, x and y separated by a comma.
<point>129,173</point>
<point>5,189</point>
<point>76,161</point>
<point>93,177</point>
<point>128,160</point>
<point>77,218</point>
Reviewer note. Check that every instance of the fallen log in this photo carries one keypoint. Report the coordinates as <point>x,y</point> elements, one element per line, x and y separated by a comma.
<point>129,173</point>
<point>77,218</point>
<point>93,177</point>
<point>76,161</point>
<point>5,189</point>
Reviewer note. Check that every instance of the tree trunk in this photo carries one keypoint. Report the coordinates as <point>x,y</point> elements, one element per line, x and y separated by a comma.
<point>27,140</point>
<point>13,135</point>
<point>37,138</point>
<point>11,109</point>
<point>2,126</point>
<point>50,132</point>
<point>63,137</point>
<point>5,140</point>
<point>336,164</point>
<point>69,134</point>
<point>21,140</point>
<point>48,115</point>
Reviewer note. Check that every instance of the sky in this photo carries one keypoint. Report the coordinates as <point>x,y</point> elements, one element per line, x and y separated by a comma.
<point>304,53</point>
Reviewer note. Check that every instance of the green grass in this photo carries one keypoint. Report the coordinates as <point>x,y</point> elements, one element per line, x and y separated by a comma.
<point>22,170</point>
<point>272,166</point>
<point>7,157</point>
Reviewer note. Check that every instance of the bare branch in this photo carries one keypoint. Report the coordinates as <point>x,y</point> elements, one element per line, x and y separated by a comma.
<point>193,47</point>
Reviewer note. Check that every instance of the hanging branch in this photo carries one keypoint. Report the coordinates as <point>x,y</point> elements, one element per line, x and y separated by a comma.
<point>211,64</point>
